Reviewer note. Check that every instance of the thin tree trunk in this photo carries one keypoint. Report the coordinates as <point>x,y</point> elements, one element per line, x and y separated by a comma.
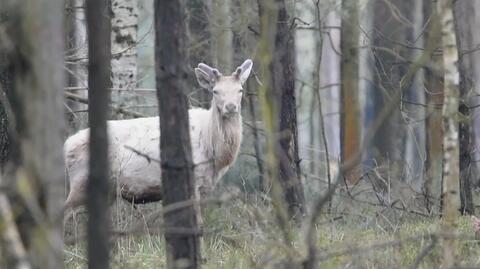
<point>465,30</point>
<point>124,23</point>
<point>98,27</point>
<point>6,84</point>
<point>36,102</point>
<point>434,124</point>
<point>222,32</point>
<point>268,14</point>
<point>388,73</point>
<point>284,84</point>
<point>199,45</point>
<point>413,115</point>
<point>176,153</point>
<point>450,140</point>
<point>75,69</point>
<point>350,117</point>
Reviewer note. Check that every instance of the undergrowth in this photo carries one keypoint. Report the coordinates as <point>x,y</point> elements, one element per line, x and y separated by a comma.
<point>242,233</point>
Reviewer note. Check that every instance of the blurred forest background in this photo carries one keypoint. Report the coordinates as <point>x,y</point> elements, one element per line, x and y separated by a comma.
<point>381,99</point>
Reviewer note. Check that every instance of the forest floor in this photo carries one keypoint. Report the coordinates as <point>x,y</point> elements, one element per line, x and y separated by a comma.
<point>243,234</point>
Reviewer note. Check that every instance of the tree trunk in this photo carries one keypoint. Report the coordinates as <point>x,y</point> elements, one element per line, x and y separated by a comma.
<point>350,108</point>
<point>181,226</point>
<point>464,17</point>
<point>76,63</point>
<point>412,113</point>
<point>269,14</point>
<point>124,24</point>
<point>284,84</point>
<point>36,101</point>
<point>98,27</point>
<point>434,124</point>
<point>450,139</point>
<point>6,84</point>
<point>199,46</point>
<point>388,72</point>
<point>222,32</point>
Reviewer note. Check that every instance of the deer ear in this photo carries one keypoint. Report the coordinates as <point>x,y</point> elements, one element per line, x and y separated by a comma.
<point>204,79</point>
<point>243,71</point>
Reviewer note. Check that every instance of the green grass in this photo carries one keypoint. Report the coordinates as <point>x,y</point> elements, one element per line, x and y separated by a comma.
<point>244,235</point>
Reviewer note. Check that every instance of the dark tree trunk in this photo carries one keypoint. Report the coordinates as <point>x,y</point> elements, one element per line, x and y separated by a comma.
<point>35,87</point>
<point>6,84</point>
<point>199,46</point>
<point>465,29</point>
<point>98,28</point>
<point>181,226</point>
<point>284,85</point>
<point>389,70</point>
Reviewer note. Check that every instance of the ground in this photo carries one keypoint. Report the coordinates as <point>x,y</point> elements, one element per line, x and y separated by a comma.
<point>241,233</point>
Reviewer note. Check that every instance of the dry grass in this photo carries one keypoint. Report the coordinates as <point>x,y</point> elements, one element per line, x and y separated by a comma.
<point>242,233</point>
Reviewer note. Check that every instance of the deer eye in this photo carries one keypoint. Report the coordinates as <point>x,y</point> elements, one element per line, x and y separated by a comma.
<point>215,92</point>
<point>240,91</point>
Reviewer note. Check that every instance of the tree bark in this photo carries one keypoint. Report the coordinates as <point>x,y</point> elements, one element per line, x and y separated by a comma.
<point>268,11</point>
<point>450,140</point>
<point>176,153</point>
<point>388,145</point>
<point>124,23</point>
<point>222,32</point>
<point>98,27</point>
<point>36,102</point>
<point>464,17</point>
<point>284,84</point>
<point>199,46</point>
<point>412,114</point>
<point>349,71</point>
<point>76,63</point>
<point>434,124</point>
<point>6,84</point>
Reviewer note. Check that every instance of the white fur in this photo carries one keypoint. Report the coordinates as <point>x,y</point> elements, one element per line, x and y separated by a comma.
<point>215,136</point>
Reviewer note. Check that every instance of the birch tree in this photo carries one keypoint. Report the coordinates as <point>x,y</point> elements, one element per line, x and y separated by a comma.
<point>451,152</point>
<point>181,226</point>
<point>124,22</point>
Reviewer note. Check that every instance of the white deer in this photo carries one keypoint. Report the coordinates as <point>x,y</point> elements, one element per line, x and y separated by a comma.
<point>215,136</point>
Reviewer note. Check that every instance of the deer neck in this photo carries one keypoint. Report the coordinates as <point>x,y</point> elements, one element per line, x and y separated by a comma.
<point>226,136</point>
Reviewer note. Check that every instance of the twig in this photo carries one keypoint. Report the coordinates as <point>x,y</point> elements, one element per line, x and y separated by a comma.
<point>424,252</point>
<point>83,100</point>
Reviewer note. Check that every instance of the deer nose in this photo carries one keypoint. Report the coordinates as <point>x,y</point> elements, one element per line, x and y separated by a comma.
<point>230,108</point>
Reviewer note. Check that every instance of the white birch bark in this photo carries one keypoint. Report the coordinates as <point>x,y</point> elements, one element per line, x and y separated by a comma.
<point>124,39</point>
<point>451,151</point>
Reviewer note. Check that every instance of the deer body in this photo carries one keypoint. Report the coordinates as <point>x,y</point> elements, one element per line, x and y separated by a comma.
<point>215,135</point>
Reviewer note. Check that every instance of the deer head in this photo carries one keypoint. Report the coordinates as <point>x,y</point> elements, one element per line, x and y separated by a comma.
<point>227,90</point>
